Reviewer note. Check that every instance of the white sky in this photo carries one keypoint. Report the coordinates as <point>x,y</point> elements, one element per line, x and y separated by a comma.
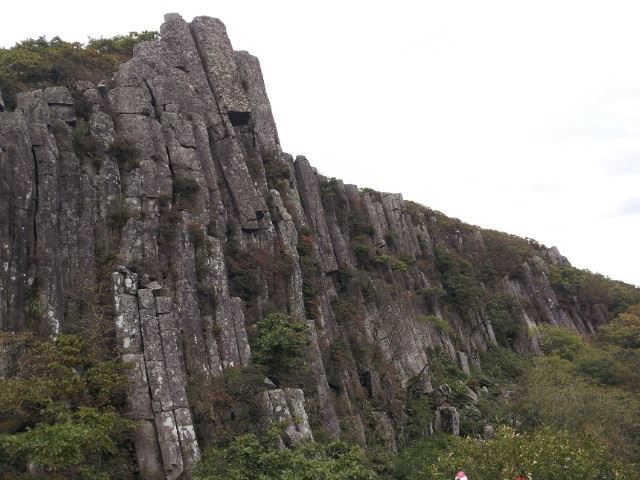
<point>522,116</point>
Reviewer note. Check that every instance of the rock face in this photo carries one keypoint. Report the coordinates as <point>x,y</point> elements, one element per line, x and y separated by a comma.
<point>171,188</point>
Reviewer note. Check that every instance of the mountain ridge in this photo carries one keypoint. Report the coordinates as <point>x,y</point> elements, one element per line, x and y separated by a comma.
<point>163,195</point>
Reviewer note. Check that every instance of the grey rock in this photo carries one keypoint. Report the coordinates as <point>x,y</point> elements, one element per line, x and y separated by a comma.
<point>447,420</point>
<point>488,432</point>
<point>163,304</point>
<point>147,451</point>
<point>264,124</point>
<point>219,63</point>
<point>463,362</point>
<point>312,203</point>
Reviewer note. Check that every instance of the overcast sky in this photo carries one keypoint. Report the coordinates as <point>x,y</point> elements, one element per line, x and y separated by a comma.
<point>519,116</point>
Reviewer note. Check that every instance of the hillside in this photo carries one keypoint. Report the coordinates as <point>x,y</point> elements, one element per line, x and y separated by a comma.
<point>206,285</point>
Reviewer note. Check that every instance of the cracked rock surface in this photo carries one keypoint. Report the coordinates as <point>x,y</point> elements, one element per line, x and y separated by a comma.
<point>180,177</point>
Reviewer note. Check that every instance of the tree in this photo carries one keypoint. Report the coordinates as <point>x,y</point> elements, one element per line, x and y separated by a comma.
<point>280,344</point>
<point>543,454</point>
<point>250,457</point>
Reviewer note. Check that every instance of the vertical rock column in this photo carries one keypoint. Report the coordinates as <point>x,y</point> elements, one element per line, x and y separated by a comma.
<point>146,334</point>
<point>17,209</point>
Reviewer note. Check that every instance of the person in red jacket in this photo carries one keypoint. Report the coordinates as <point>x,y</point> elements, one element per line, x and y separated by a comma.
<point>461,476</point>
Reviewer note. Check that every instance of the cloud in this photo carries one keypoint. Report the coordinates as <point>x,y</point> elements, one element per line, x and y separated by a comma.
<point>630,207</point>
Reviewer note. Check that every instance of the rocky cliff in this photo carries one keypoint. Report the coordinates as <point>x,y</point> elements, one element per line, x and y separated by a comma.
<point>163,194</point>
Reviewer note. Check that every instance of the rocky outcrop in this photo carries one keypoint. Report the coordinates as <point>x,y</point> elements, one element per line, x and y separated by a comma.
<point>146,328</point>
<point>173,172</point>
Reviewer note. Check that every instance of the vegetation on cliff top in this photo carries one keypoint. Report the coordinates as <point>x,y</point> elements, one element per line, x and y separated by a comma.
<point>39,63</point>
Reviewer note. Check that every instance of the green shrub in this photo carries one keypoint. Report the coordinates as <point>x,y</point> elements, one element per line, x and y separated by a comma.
<point>365,253</point>
<point>507,319</point>
<point>126,154</point>
<point>541,454</point>
<point>62,408</point>
<point>121,45</point>
<point>332,200</point>
<point>253,458</point>
<point>458,278</point>
<point>85,145</point>
<point>244,278</point>
<point>571,284</point>
<point>184,191</point>
<point>439,324</point>
<point>394,263</point>
<point>278,174</point>
<point>560,341</point>
<point>553,393</point>
<point>41,63</point>
<point>117,218</point>
<point>280,344</point>
<point>624,330</point>
<point>502,365</point>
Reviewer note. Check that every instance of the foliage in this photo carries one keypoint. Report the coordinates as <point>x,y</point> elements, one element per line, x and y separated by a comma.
<point>587,386</point>
<point>60,408</point>
<point>42,63</point>
<point>76,445</point>
<point>332,199</point>
<point>244,280</point>
<point>121,44</point>
<point>117,218</point>
<point>253,458</point>
<point>85,145</point>
<point>624,330</point>
<point>277,174</point>
<point>280,344</point>
<point>571,284</point>
<point>501,366</point>
<point>126,153</point>
<point>458,278</point>
<point>541,454</point>
<point>506,254</point>
<point>439,324</point>
<point>394,263</point>
<point>506,316</point>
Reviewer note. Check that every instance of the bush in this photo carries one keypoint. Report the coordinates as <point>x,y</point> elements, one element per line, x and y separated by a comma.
<point>439,324</point>
<point>278,174</point>
<point>560,342</point>
<point>126,154</point>
<point>75,447</point>
<point>117,218</point>
<point>121,45</point>
<point>184,191</point>
<point>458,278</point>
<point>571,284</point>
<point>554,394</point>
<point>624,330</point>
<point>392,262</point>
<point>253,458</point>
<point>244,279</point>
<point>365,253</point>
<point>85,145</point>
<point>541,454</point>
<point>62,408</point>
<point>280,344</point>
<point>507,319</point>
<point>41,63</point>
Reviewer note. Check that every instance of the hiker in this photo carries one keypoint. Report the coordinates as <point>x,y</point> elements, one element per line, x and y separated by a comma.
<point>461,476</point>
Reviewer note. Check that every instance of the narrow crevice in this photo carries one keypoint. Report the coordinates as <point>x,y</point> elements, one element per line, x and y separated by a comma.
<point>219,168</point>
<point>36,198</point>
<point>154,103</point>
